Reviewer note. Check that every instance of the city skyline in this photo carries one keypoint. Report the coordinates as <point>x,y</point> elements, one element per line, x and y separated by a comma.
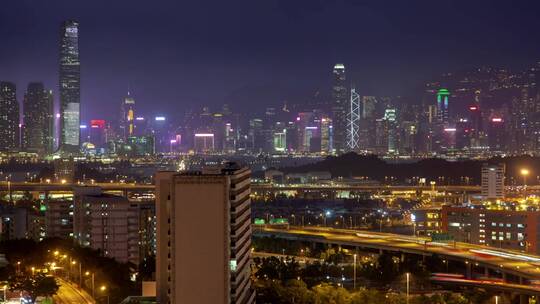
<point>395,65</point>
<point>270,151</point>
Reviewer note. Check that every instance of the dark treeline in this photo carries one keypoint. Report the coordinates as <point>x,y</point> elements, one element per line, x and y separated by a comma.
<point>454,172</point>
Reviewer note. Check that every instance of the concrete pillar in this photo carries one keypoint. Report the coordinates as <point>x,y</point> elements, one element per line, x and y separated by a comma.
<point>469,270</point>
<point>504,276</point>
<point>486,272</point>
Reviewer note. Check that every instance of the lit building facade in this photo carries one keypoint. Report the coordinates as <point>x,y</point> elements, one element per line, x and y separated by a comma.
<point>70,87</point>
<point>38,119</point>
<point>107,223</point>
<point>498,227</point>
<point>127,118</point>
<point>339,107</point>
<point>9,117</point>
<point>493,181</point>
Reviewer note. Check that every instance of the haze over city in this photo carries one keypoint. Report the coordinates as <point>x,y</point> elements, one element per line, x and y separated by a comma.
<point>175,55</point>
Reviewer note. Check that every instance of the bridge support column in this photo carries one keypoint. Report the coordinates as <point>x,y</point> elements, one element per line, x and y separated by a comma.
<point>504,276</point>
<point>469,270</point>
<point>486,272</point>
<point>125,193</point>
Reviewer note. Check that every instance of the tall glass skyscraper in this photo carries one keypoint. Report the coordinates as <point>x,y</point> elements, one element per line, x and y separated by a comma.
<point>339,108</point>
<point>70,87</point>
<point>38,131</point>
<point>9,117</point>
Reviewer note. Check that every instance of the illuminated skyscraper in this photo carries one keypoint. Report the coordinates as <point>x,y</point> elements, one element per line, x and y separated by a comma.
<point>326,135</point>
<point>353,122</point>
<point>9,117</point>
<point>127,120</point>
<point>442,105</point>
<point>70,87</point>
<point>339,108</point>
<point>97,134</point>
<point>38,112</point>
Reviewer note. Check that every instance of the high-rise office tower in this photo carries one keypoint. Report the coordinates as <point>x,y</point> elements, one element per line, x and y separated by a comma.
<point>38,115</point>
<point>353,122</point>
<point>390,116</point>
<point>367,123</point>
<point>127,120</point>
<point>326,135</point>
<point>70,87</point>
<point>9,117</point>
<point>97,134</point>
<point>442,105</point>
<point>204,236</point>
<point>339,108</point>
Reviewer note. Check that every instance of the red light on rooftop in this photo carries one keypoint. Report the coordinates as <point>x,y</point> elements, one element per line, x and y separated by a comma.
<point>97,123</point>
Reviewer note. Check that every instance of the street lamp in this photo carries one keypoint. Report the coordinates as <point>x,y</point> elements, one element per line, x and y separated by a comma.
<point>354,271</point>
<point>524,172</point>
<point>103,289</point>
<point>408,279</point>
<point>93,283</point>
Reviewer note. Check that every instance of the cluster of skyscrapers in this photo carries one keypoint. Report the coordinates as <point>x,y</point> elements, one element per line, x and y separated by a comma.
<point>476,113</point>
<point>36,132</point>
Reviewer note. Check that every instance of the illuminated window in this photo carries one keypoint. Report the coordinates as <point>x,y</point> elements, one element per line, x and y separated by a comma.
<point>232,265</point>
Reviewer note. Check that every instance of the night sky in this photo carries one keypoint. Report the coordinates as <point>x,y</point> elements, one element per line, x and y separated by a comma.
<point>177,54</point>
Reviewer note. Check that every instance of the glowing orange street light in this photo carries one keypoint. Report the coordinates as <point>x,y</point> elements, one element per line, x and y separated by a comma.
<point>525,172</point>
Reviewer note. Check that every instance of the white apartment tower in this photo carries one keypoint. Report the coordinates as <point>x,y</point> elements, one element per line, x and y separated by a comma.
<point>493,181</point>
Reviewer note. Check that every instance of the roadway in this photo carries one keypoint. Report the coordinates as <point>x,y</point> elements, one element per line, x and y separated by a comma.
<point>66,187</point>
<point>488,284</point>
<point>70,294</point>
<point>505,261</point>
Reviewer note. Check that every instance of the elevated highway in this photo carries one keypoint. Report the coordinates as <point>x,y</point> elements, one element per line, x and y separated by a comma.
<point>523,266</point>
<point>66,187</point>
<point>30,186</point>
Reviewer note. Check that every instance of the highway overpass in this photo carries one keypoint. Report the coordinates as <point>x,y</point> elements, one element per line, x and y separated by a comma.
<point>66,187</point>
<point>507,262</point>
